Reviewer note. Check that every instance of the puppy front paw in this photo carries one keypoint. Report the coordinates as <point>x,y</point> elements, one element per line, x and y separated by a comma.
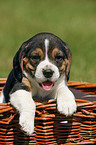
<point>26,122</point>
<point>66,107</point>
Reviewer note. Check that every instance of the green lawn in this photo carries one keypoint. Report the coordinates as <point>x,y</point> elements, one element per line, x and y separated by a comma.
<point>72,20</point>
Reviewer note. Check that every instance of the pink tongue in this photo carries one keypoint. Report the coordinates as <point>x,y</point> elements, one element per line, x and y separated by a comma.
<point>47,85</point>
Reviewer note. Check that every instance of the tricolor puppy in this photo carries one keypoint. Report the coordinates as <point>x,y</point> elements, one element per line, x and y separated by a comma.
<point>40,72</point>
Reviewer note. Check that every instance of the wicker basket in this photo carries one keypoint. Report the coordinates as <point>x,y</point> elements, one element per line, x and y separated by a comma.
<point>50,126</point>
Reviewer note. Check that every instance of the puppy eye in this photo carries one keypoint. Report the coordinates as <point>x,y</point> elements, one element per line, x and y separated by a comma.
<point>58,58</point>
<point>36,58</point>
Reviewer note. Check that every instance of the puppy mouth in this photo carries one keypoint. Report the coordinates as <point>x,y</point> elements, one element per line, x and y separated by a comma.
<point>46,85</point>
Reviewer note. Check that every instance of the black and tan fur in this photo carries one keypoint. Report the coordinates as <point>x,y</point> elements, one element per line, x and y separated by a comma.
<point>53,55</point>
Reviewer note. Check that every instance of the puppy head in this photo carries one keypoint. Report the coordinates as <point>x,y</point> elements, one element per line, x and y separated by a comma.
<point>45,58</point>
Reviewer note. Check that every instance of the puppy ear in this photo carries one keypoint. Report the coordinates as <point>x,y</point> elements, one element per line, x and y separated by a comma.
<point>69,57</point>
<point>18,63</point>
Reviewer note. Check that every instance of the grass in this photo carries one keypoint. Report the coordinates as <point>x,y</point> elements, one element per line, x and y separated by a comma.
<point>73,20</point>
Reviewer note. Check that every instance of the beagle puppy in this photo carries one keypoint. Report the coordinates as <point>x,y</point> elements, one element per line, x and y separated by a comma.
<point>41,69</point>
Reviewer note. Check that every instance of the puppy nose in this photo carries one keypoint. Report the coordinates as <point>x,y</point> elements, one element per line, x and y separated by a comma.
<point>48,73</point>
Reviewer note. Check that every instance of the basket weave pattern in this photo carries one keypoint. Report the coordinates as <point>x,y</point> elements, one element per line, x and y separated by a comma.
<point>50,126</point>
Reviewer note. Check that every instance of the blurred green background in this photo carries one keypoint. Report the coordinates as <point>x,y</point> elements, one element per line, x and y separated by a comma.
<point>74,21</point>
